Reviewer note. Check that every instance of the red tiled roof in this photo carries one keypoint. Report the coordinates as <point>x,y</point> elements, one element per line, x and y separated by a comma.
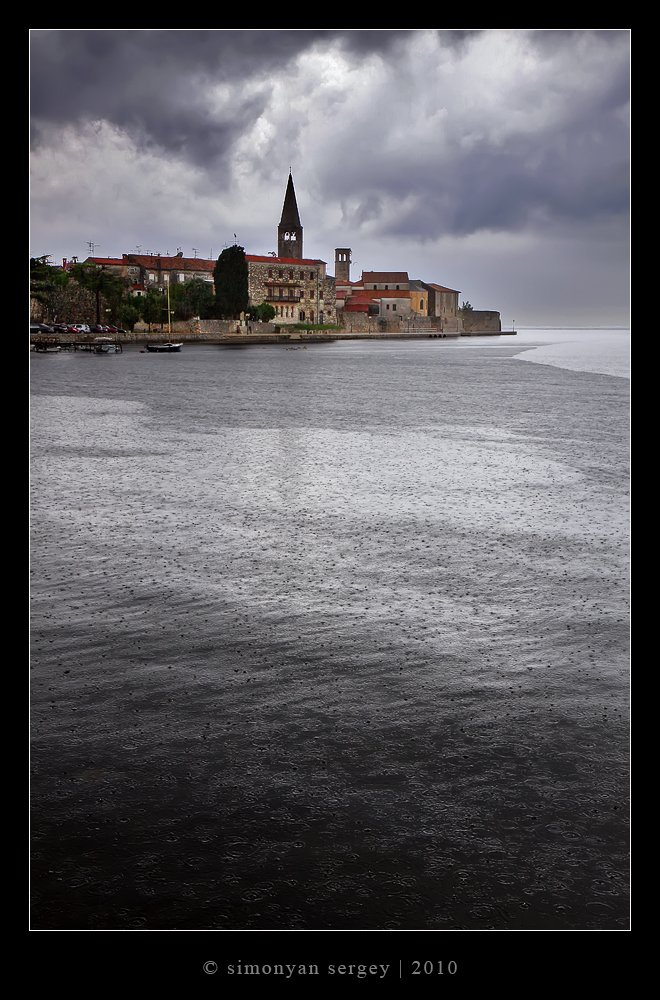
<point>282,260</point>
<point>152,262</point>
<point>442,288</point>
<point>117,261</point>
<point>382,277</point>
<point>365,294</point>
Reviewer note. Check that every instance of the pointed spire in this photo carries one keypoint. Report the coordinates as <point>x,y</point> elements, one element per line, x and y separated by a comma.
<point>290,217</point>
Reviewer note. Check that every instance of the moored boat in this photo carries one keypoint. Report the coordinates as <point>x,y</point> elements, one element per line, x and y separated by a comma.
<point>164,348</point>
<point>106,345</point>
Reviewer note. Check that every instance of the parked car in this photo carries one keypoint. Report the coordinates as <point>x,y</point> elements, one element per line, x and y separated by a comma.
<point>79,328</point>
<point>40,328</point>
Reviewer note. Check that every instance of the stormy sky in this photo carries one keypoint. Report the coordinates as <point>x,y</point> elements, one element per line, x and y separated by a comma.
<point>493,161</point>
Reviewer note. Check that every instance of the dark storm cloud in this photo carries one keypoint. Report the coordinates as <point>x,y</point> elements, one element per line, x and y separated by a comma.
<point>156,83</point>
<point>413,139</point>
<point>107,73</point>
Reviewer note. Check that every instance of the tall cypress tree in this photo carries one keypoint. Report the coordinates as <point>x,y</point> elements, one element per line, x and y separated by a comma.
<point>230,276</point>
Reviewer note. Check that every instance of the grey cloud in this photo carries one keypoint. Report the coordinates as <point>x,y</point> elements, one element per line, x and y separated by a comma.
<point>574,169</point>
<point>155,83</point>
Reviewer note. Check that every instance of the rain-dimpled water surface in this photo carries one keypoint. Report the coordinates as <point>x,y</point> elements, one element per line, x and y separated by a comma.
<point>333,637</point>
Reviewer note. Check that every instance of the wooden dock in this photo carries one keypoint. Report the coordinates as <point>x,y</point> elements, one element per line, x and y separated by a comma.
<point>53,344</point>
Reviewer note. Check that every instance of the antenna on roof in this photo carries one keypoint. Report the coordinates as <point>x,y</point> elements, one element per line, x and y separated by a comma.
<point>92,247</point>
<point>195,251</point>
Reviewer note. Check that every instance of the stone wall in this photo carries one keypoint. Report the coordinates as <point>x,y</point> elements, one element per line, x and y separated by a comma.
<point>202,329</point>
<point>354,322</point>
<point>481,321</point>
<point>306,290</point>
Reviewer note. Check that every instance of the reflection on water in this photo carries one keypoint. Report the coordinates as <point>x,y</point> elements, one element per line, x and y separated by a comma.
<point>332,638</point>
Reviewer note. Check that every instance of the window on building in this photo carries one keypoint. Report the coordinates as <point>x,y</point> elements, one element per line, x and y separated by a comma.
<point>301,315</point>
<point>421,304</point>
<point>280,274</point>
<point>182,277</point>
<point>394,308</point>
<point>396,286</point>
<point>386,287</point>
<point>387,306</point>
<point>290,275</point>
<point>311,276</point>
<point>270,272</point>
<point>152,277</point>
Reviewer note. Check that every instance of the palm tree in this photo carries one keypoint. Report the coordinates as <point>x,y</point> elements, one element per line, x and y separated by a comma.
<point>99,281</point>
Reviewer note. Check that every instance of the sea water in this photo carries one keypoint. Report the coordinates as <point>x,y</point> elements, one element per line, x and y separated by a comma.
<point>331,638</point>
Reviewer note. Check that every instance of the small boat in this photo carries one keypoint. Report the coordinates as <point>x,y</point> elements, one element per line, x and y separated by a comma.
<point>45,347</point>
<point>164,348</point>
<point>106,345</point>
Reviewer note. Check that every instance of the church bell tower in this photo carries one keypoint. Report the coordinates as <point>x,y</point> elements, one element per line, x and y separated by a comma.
<point>289,231</point>
<point>343,263</point>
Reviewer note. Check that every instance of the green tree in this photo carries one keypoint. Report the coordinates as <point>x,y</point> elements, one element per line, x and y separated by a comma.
<point>265,312</point>
<point>152,305</point>
<point>103,284</point>
<point>47,287</point>
<point>56,297</point>
<point>200,298</point>
<point>128,313</point>
<point>192,298</point>
<point>466,307</point>
<point>230,277</point>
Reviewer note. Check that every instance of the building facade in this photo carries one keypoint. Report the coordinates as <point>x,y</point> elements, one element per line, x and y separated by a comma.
<point>299,290</point>
<point>443,305</point>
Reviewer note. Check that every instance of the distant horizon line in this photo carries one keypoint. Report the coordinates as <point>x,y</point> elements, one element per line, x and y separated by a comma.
<point>555,327</point>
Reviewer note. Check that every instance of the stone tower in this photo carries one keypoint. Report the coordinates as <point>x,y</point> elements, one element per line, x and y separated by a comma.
<point>343,264</point>
<point>289,231</point>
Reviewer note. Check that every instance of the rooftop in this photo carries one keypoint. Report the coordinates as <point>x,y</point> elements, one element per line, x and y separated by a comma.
<point>290,217</point>
<point>442,288</point>
<point>381,277</point>
<point>282,260</point>
<point>159,262</point>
